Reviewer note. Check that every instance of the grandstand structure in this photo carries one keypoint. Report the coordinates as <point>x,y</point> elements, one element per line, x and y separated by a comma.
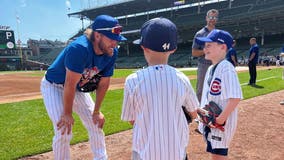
<point>38,54</point>
<point>44,52</point>
<point>262,19</point>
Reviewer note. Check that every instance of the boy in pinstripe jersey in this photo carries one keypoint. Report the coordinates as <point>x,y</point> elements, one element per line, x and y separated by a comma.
<point>222,86</point>
<point>154,96</point>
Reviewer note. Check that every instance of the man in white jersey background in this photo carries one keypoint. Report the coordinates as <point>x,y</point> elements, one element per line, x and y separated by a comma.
<point>222,86</point>
<point>89,55</point>
<point>154,96</point>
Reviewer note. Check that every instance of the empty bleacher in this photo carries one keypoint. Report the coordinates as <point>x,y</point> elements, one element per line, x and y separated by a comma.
<point>242,18</point>
<point>47,58</point>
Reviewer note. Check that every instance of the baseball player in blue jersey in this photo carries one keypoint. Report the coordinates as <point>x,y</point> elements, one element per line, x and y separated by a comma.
<point>154,96</point>
<point>63,86</point>
<point>222,86</point>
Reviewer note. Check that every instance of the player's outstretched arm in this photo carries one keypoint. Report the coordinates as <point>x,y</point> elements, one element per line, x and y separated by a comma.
<point>66,120</point>
<point>98,117</point>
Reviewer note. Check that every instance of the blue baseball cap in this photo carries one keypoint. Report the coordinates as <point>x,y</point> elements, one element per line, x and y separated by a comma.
<point>219,36</point>
<point>158,34</point>
<point>109,27</point>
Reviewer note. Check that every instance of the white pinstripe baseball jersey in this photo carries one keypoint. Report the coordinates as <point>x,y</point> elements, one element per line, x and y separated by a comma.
<point>224,85</point>
<point>153,98</point>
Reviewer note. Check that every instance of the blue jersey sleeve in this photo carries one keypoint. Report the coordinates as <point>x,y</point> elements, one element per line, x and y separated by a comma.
<point>75,59</point>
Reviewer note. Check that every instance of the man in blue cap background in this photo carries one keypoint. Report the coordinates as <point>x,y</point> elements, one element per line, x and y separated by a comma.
<point>63,90</point>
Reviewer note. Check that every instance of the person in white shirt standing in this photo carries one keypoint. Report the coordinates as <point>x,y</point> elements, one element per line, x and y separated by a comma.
<point>222,86</point>
<point>154,96</point>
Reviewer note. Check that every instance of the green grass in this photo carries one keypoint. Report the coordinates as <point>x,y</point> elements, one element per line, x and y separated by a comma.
<point>189,73</point>
<point>25,128</point>
<point>274,83</point>
<point>120,73</point>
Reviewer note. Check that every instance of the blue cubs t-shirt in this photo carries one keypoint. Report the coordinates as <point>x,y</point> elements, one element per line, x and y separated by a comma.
<point>79,57</point>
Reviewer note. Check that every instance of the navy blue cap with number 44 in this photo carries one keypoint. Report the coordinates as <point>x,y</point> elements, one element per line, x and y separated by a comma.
<point>158,34</point>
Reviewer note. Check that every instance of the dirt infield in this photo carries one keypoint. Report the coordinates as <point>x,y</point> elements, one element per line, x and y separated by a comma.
<point>21,86</point>
<point>259,135</point>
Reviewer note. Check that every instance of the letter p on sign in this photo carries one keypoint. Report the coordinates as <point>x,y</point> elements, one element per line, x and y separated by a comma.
<point>8,35</point>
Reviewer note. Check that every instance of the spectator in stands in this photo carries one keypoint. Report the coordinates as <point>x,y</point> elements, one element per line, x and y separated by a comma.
<point>266,60</point>
<point>278,61</point>
<point>89,55</point>
<point>232,55</point>
<point>252,61</point>
<point>197,50</point>
<point>279,58</point>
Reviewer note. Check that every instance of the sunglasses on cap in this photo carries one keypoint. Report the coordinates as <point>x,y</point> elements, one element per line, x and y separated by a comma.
<point>212,17</point>
<point>114,30</point>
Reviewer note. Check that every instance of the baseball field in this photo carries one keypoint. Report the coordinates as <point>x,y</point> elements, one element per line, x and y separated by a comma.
<point>26,131</point>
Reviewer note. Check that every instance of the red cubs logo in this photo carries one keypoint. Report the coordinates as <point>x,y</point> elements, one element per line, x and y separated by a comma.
<point>216,87</point>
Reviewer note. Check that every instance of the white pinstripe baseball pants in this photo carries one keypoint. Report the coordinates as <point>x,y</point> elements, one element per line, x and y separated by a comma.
<point>83,105</point>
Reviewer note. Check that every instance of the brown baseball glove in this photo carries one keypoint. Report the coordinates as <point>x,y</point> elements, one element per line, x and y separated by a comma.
<point>208,115</point>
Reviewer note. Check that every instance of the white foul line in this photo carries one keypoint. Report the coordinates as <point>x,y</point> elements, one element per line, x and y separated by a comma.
<point>260,80</point>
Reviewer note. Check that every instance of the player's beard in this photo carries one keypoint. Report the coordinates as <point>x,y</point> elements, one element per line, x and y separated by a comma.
<point>105,49</point>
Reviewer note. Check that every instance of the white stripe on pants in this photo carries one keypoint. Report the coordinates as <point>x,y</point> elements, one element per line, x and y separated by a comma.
<point>83,105</point>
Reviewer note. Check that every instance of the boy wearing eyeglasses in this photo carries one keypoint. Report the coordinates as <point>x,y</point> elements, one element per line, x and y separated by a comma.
<point>63,91</point>
<point>221,86</point>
